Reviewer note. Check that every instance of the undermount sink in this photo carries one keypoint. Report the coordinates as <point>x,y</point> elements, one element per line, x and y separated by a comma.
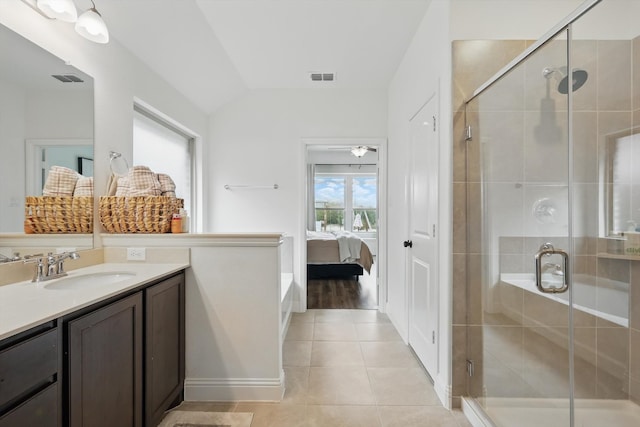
<point>89,280</point>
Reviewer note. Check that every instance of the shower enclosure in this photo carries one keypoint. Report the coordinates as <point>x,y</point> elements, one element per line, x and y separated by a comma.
<point>552,253</point>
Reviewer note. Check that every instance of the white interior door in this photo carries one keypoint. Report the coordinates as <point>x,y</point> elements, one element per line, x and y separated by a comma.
<point>422,245</point>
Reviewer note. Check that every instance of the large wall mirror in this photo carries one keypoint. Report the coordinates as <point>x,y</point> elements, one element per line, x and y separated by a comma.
<point>46,119</point>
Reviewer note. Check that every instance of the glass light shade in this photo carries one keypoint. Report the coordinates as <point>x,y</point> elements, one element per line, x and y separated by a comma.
<point>359,151</point>
<point>63,10</point>
<point>91,26</point>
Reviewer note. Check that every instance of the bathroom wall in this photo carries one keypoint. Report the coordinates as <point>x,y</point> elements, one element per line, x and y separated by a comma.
<point>425,70</point>
<point>258,140</point>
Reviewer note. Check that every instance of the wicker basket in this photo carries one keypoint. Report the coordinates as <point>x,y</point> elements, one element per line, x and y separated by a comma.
<point>138,214</point>
<point>58,215</point>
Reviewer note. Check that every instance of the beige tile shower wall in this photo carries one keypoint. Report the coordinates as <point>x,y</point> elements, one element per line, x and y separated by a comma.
<point>607,355</point>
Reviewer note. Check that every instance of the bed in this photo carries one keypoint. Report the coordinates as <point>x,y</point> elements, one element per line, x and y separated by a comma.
<point>337,254</point>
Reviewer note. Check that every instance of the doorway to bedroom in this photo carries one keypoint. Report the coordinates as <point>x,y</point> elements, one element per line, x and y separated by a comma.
<point>343,224</point>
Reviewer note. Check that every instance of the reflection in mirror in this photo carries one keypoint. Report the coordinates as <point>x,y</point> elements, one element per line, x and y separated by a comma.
<point>46,112</point>
<point>622,182</point>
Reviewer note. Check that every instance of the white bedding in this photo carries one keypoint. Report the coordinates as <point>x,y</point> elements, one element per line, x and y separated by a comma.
<point>339,247</point>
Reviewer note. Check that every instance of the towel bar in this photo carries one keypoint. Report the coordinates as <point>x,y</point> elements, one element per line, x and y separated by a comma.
<point>265,187</point>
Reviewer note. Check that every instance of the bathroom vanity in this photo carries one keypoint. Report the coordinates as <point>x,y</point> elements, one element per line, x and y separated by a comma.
<point>79,353</point>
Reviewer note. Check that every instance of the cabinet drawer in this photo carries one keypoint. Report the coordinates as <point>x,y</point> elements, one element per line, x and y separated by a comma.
<point>27,364</point>
<point>41,410</point>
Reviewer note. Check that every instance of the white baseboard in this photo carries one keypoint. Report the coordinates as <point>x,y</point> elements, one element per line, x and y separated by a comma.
<point>234,389</point>
<point>444,394</point>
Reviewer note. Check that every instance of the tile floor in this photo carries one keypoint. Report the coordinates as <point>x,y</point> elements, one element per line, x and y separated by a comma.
<point>348,368</point>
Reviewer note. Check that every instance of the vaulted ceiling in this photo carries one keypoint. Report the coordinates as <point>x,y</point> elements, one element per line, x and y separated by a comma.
<point>214,50</point>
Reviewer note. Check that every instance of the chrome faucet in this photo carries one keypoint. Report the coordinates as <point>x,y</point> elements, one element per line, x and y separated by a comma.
<point>557,269</point>
<point>15,257</point>
<point>39,275</point>
<point>54,265</point>
<point>62,257</point>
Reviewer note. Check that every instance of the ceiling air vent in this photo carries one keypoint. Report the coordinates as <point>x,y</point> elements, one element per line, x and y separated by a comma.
<point>322,77</point>
<point>67,78</point>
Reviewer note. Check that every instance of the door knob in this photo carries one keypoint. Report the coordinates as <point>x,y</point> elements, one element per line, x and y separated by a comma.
<point>408,243</point>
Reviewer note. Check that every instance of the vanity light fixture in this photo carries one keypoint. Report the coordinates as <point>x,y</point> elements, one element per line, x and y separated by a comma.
<point>63,10</point>
<point>91,26</point>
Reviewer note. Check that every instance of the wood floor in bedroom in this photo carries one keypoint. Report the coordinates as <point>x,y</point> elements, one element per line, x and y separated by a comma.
<point>343,292</point>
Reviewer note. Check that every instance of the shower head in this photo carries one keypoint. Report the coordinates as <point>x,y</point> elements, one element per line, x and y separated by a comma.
<point>579,77</point>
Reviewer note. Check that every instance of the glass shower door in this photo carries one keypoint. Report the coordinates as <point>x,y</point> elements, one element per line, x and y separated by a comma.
<point>518,244</point>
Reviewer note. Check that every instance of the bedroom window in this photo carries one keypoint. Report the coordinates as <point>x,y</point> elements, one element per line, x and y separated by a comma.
<point>346,201</point>
<point>365,202</point>
<point>329,203</point>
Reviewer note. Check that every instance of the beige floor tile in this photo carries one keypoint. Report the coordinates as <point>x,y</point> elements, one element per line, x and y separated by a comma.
<point>333,316</point>
<point>342,416</point>
<point>300,332</point>
<point>460,418</point>
<point>377,332</point>
<point>274,415</point>
<point>416,416</point>
<point>347,368</point>
<point>308,316</point>
<point>334,332</point>
<point>296,381</point>
<point>388,355</point>
<point>296,353</point>
<point>402,386</point>
<point>368,316</point>
<point>336,353</point>
<point>342,385</point>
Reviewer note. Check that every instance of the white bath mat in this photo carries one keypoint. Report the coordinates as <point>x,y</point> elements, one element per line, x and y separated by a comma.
<point>206,419</point>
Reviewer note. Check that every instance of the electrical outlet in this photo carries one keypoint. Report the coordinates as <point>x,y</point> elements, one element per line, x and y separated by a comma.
<point>136,254</point>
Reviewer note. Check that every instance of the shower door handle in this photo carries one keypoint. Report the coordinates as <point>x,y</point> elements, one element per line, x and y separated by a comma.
<point>548,251</point>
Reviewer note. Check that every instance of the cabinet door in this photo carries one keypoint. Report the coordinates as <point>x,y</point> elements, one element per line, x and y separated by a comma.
<point>41,410</point>
<point>164,342</point>
<point>105,366</point>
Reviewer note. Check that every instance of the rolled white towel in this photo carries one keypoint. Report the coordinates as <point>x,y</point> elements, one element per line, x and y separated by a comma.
<point>84,187</point>
<point>122,189</point>
<point>143,182</point>
<point>60,182</point>
<point>167,186</point>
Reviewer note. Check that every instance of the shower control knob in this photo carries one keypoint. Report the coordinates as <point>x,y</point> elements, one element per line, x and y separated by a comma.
<point>407,244</point>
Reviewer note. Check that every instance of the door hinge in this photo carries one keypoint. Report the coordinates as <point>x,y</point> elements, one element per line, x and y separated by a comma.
<point>433,232</point>
<point>470,367</point>
<point>468,134</point>
<point>433,337</point>
<point>434,123</point>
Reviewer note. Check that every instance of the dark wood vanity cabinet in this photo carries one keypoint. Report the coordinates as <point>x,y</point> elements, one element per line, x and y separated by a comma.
<point>164,347</point>
<point>105,365</point>
<point>125,360</point>
<point>29,378</point>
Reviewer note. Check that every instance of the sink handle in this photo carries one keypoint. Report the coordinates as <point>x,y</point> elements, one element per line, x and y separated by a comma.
<point>39,261</point>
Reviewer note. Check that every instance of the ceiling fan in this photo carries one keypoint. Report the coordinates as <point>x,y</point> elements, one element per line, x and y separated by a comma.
<point>357,150</point>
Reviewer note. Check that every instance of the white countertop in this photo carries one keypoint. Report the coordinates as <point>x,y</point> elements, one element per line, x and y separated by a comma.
<point>24,305</point>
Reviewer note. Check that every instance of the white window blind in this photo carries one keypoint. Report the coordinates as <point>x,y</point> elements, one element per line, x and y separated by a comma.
<point>164,149</point>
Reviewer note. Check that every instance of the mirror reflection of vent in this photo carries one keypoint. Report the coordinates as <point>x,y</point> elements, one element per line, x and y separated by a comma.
<point>67,78</point>
<point>322,77</point>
